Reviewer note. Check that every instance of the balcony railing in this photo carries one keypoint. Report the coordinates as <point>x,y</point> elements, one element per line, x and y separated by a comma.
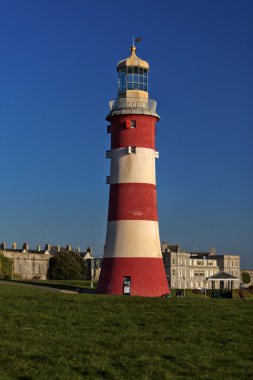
<point>122,103</point>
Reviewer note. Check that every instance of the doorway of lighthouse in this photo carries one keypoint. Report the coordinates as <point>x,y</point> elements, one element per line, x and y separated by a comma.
<point>127,285</point>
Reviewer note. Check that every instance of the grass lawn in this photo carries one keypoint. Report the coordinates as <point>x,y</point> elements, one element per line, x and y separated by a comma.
<point>49,335</point>
<point>59,284</point>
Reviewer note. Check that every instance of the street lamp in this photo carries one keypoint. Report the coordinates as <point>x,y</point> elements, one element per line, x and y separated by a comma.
<point>205,283</point>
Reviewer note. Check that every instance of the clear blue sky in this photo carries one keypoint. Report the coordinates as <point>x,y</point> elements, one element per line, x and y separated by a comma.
<point>58,72</point>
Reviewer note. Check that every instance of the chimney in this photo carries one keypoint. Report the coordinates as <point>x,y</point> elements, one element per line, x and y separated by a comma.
<point>3,246</point>
<point>14,246</point>
<point>26,247</point>
<point>38,248</point>
<point>78,249</point>
<point>47,247</point>
<point>68,248</point>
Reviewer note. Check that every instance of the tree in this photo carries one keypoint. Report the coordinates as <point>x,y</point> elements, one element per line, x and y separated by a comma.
<point>67,266</point>
<point>245,277</point>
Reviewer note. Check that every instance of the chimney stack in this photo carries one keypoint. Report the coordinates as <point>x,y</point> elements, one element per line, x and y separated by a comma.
<point>47,247</point>
<point>26,247</point>
<point>3,246</point>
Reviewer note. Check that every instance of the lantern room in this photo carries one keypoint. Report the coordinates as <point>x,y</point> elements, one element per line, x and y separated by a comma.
<point>133,76</point>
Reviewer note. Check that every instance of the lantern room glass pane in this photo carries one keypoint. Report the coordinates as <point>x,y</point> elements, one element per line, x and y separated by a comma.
<point>136,78</point>
<point>122,80</point>
<point>132,78</point>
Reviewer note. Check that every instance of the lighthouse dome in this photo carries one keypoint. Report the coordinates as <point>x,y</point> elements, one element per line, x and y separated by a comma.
<point>132,60</point>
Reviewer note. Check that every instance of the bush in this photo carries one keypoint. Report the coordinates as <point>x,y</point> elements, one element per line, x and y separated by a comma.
<point>5,267</point>
<point>245,277</point>
<point>67,266</point>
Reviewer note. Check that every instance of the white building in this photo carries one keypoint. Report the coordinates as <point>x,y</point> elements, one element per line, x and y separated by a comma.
<point>186,270</point>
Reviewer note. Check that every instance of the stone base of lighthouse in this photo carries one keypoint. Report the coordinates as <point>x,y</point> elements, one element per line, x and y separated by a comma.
<point>147,276</point>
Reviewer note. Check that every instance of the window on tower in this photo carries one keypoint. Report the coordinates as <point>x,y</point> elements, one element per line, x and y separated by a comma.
<point>133,78</point>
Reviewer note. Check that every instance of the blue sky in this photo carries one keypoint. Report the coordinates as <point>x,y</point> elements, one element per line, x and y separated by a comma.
<point>57,75</point>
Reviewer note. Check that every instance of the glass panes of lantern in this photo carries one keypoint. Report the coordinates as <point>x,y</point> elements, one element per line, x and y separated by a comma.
<point>133,78</point>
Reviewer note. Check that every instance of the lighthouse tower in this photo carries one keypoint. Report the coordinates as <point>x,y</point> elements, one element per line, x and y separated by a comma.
<point>132,262</point>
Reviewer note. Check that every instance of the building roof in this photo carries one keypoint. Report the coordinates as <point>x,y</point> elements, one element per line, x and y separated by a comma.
<point>132,60</point>
<point>170,247</point>
<point>200,253</point>
<point>222,276</point>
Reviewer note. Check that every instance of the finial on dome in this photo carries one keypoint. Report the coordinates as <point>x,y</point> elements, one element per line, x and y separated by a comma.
<point>133,47</point>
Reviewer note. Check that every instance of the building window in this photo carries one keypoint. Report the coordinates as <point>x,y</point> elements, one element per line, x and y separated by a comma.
<point>199,274</point>
<point>173,272</point>
<point>173,261</point>
<point>200,262</point>
<point>133,124</point>
<point>131,149</point>
<point>232,263</point>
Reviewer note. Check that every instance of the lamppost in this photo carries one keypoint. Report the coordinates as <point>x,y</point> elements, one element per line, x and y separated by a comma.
<point>205,283</point>
<point>184,285</point>
<point>91,272</point>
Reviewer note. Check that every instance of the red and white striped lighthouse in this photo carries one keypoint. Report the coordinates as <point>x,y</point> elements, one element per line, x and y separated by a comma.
<point>132,262</point>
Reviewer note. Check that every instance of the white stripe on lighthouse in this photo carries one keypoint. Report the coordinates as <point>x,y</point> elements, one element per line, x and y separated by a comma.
<point>132,238</point>
<point>138,167</point>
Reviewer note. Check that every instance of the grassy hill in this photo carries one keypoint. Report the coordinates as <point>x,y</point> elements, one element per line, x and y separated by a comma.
<point>49,335</point>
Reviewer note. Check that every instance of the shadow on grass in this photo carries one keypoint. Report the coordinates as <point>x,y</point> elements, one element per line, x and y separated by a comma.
<point>55,285</point>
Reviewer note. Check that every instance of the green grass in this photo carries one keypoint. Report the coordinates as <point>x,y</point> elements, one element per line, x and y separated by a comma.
<point>49,335</point>
<point>59,284</point>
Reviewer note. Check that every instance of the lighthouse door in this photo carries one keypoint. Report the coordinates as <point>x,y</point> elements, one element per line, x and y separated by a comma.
<point>127,285</point>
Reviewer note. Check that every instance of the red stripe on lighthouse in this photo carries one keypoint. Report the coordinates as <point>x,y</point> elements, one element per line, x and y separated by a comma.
<point>143,135</point>
<point>147,276</point>
<point>132,201</point>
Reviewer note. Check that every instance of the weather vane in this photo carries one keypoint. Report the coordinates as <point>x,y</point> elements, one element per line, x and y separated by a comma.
<point>138,39</point>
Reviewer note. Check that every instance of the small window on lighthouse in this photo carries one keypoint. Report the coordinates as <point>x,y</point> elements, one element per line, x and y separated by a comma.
<point>133,124</point>
<point>127,285</point>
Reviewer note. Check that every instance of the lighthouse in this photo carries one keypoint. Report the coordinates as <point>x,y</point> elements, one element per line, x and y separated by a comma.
<point>132,262</point>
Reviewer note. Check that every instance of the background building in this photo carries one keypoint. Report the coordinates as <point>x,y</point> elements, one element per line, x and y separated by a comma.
<point>190,270</point>
<point>33,264</point>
